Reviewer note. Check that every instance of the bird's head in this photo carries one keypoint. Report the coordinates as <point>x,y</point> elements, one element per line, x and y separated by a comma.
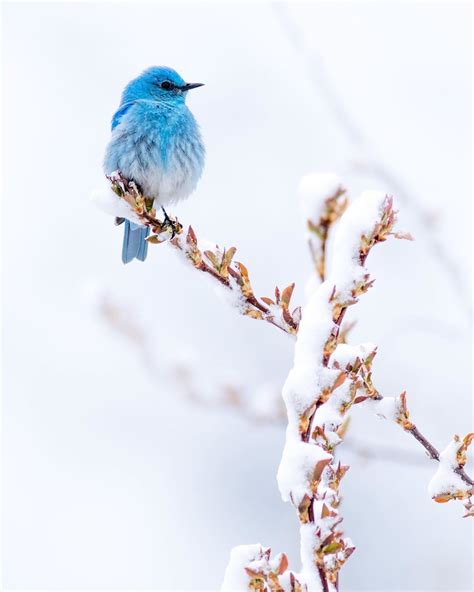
<point>160,84</point>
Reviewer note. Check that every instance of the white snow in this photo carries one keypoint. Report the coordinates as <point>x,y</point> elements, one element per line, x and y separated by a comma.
<point>235,577</point>
<point>309,543</point>
<point>309,376</point>
<point>445,480</point>
<point>358,220</point>
<point>346,354</point>
<point>110,203</point>
<point>328,415</point>
<point>385,408</point>
<point>297,468</point>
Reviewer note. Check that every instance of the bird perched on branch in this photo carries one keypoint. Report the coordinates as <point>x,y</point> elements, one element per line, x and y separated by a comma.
<point>157,144</point>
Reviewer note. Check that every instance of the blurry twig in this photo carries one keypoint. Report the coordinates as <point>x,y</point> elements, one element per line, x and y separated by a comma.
<point>261,403</point>
<point>257,403</point>
<point>324,86</point>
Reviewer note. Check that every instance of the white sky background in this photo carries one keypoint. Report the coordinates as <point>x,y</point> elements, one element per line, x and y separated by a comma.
<point>108,480</point>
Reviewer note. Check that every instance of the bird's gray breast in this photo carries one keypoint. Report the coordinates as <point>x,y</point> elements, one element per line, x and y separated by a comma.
<point>162,152</point>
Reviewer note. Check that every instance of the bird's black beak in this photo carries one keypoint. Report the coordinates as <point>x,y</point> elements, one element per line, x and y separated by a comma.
<point>191,85</point>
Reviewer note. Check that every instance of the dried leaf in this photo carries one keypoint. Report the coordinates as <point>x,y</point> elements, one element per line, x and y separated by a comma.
<point>402,235</point>
<point>339,381</point>
<point>461,455</point>
<point>342,429</point>
<point>253,313</point>
<point>277,295</point>
<point>212,258</point>
<point>325,512</point>
<point>442,499</point>
<point>283,565</point>
<point>229,255</point>
<point>318,470</point>
<point>191,238</point>
<point>286,295</point>
<point>303,509</point>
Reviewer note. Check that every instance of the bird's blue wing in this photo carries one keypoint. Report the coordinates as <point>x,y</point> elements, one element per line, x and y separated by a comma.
<point>120,113</point>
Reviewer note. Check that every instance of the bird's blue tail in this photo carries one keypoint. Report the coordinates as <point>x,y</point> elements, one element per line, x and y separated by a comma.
<point>134,243</point>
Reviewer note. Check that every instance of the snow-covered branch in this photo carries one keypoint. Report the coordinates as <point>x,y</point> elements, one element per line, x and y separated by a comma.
<point>320,194</point>
<point>327,378</point>
<point>450,482</point>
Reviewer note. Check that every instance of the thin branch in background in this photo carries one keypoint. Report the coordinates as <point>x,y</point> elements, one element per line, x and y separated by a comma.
<point>366,159</point>
<point>257,403</point>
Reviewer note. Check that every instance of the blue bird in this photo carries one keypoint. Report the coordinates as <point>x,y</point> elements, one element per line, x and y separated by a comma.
<point>155,142</point>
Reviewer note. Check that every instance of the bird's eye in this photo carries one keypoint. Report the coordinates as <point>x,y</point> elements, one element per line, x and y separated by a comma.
<point>167,85</point>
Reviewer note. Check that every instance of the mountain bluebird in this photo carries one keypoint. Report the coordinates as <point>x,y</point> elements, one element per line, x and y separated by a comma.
<point>156,143</point>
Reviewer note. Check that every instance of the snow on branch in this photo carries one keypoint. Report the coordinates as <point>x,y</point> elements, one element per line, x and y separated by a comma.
<point>252,568</point>
<point>327,378</point>
<point>450,481</point>
<point>318,193</point>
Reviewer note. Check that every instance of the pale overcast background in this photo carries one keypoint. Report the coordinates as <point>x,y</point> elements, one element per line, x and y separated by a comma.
<point>111,480</point>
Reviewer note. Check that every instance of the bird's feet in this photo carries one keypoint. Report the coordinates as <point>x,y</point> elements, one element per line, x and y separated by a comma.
<point>174,225</point>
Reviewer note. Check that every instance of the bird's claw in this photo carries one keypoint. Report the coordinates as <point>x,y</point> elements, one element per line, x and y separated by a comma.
<point>169,223</point>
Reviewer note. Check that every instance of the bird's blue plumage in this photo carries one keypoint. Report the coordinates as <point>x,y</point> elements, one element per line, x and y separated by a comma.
<point>156,143</point>
<point>118,114</point>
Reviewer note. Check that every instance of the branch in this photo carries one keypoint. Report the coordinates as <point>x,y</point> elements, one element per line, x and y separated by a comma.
<point>313,189</point>
<point>327,378</point>
<point>215,262</point>
<point>323,384</point>
<point>450,481</point>
<point>190,378</point>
